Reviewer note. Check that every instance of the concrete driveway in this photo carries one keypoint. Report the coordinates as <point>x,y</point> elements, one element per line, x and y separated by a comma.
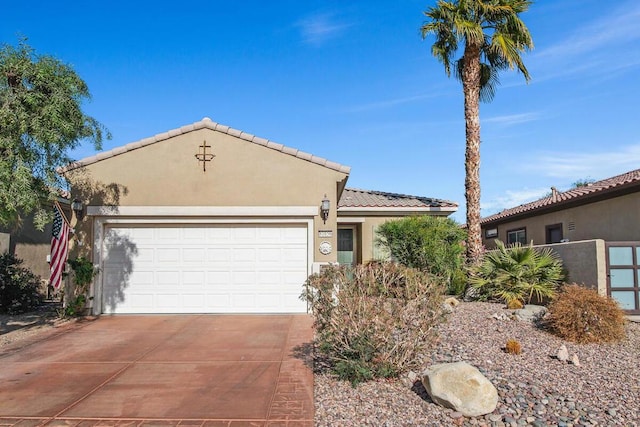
<point>195,370</point>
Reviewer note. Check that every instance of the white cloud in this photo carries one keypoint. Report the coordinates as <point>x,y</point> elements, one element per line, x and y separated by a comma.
<point>390,103</point>
<point>319,28</point>
<point>571,165</point>
<point>602,46</point>
<point>620,27</point>
<point>512,198</point>
<point>512,119</point>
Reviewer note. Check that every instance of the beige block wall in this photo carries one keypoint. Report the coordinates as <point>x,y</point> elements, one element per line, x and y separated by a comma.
<point>585,262</point>
<point>616,219</point>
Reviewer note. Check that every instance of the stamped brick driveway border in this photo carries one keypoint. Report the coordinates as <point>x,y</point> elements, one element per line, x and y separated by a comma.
<point>162,370</point>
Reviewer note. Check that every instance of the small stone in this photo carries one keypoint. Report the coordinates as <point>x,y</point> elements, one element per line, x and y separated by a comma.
<point>575,360</point>
<point>452,302</point>
<point>563,353</point>
<point>612,412</point>
<point>495,418</point>
<point>455,415</point>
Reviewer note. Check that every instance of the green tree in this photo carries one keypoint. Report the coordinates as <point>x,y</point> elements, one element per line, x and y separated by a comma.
<point>41,119</point>
<point>492,37</point>
<point>583,182</point>
<point>427,243</point>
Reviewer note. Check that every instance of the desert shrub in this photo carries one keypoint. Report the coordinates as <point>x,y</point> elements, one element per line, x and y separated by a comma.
<point>517,273</point>
<point>513,347</point>
<point>19,287</point>
<point>429,243</point>
<point>582,315</point>
<point>373,320</point>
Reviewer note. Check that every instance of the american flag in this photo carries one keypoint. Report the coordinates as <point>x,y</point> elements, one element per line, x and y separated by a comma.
<point>59,247</point>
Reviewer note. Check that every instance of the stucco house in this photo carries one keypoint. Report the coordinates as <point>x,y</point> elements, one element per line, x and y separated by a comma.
<point>595,229</point>
<point>31,245</point>
<point>608,209</point>
<point>210,219</point>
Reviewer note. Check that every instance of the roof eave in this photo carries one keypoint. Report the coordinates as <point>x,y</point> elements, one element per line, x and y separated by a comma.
<point>608,193</point>
<point>405,210</point>
<point>206,123</point>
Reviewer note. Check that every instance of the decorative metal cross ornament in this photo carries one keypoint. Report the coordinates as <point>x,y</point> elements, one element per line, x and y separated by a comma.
<point>203,156</point>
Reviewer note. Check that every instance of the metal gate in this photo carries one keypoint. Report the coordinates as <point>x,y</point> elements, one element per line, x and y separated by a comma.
<point>623,274</point>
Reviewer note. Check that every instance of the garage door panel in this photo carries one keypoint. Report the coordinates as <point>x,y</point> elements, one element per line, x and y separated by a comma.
<point>167,254</point>
<point>167,234</point>
<point>194,255</point>
<point>200,269</point>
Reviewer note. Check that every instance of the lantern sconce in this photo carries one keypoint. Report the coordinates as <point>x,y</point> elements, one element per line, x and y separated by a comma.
<point>324,209</point>
<point>78,208</point>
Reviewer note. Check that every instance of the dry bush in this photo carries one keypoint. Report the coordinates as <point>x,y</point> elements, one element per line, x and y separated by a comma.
<point>513,347</point>
<point>373,320</point>
<point>514,304</point>
<point>582,315</point>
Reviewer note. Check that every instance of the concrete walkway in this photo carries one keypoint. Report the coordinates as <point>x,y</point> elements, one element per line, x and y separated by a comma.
<point>199,370</point>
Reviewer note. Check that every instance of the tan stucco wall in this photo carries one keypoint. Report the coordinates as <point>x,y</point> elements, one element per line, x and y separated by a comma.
<point>5,238</point>
<point>585,262</point>
<point>31,246</point>
<point>616,219</point>
<point>242,173</point>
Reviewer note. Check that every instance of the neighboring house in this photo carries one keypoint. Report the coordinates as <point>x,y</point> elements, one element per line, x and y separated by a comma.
<point>31,245</point>
<point>209,219</point>
<point>594,228</point>
<point>607,209</point>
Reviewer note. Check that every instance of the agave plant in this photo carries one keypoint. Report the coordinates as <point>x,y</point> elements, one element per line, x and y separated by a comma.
<point>518,273</point>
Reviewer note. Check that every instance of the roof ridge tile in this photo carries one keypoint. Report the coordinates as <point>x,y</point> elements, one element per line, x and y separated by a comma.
<point>206,122</point>
<point>613,182</point>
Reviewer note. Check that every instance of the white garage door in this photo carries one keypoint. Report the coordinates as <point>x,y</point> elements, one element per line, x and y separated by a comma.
<point>204,269</point>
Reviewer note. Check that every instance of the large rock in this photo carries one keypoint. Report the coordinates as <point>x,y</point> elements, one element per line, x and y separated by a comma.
<point>530,313</point>
<point>461,387</point>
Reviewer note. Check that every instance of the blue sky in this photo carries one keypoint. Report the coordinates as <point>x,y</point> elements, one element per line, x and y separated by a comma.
<point>355,83</point>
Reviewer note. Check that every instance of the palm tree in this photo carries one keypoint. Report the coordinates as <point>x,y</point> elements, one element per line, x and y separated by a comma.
<point>493,36</point>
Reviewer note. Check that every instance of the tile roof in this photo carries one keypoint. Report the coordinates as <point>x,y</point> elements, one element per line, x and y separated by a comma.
<point>207,123</point>
<point>574,195</point>
<point>355,198</point>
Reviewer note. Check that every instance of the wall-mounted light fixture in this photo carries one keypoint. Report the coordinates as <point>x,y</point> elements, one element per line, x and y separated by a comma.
<point>324,209</point>
<point>78,208</point>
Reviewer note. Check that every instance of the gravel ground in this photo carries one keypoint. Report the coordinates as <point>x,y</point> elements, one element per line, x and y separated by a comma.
<point>534,387</point>
<point>16,328</point>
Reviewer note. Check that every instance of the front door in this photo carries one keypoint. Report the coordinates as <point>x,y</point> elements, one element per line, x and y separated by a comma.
<point>623,271</point>
<point>347,246</point>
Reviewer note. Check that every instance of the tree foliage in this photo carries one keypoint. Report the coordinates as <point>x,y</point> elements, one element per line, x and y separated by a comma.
<point>492,37</point>
<point>427,243</point>
<point>41,119</point>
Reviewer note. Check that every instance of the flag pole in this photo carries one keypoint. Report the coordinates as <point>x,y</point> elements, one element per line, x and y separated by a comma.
<point>62,214</point>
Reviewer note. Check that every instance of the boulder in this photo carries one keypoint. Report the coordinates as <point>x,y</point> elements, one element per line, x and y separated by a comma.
<point>461,387</point>
<point>530,313</point>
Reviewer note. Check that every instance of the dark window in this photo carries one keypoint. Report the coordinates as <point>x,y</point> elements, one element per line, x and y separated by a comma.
<point>554,233</point>
<point>345,239</point>
<point>517,236</point>
<point>491,233</point>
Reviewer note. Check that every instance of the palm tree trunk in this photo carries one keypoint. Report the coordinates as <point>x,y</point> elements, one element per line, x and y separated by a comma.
<point>471,89</point>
